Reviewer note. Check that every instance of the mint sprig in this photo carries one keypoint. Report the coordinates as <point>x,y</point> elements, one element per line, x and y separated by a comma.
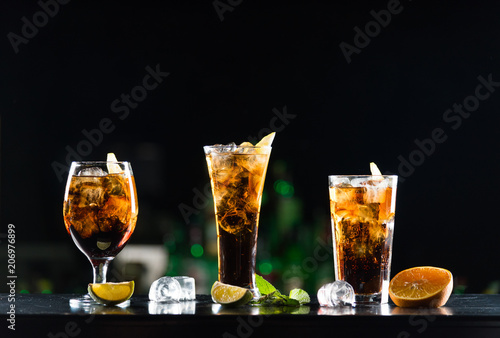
<point>272,297</point>
<point>263,285</point>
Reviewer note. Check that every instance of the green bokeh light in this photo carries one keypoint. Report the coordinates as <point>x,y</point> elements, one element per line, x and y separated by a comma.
<point>284,188</point>
<point>196,250</point>
<point>265,268</point>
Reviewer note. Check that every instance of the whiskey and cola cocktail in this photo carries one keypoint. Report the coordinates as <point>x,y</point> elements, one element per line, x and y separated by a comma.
<point>362,210</point>
<point>100,212</point>
<point>237,175</point>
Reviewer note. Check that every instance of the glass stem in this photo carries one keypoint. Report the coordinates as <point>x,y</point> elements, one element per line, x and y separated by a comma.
<point>100,269</point>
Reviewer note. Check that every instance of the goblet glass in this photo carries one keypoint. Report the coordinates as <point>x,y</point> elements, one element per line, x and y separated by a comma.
<point>100,212</point>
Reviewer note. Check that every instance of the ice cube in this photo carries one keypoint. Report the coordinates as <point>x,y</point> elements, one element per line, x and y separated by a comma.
<point>92,171</point>
<point>114,215</point>
<point>367,212</point>
<point>91,193</point>
<point>229,148</point>
<point>115,185</point>
<point>224,148</point>
<point>375,194</point>
<point>339,181</point>
<point>85,226</point>
<point>338,293</point>
<point>324,295</point>
<point>346,197</point>
<point>359,182</point>
<point>234,220</point>
<point>187,286</point>
<point>165,289</point>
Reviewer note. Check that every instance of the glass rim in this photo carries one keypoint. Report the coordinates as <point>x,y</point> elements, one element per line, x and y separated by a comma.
<point>237,146</point>
<point>99,162</point>
<point>363,176</point>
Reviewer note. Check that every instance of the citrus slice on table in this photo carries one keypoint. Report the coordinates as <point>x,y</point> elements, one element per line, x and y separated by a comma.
<point>226,294</point>
<point>111,293</point>
<point>423,286</point>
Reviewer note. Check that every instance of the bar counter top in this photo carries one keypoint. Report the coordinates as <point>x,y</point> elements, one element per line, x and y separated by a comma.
<point>50,315</point>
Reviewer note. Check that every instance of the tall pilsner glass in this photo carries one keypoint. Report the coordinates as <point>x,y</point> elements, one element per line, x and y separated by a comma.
<point>237,177</point>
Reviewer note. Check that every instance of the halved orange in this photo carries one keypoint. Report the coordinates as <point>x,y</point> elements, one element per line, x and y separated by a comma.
<point>423,286</point>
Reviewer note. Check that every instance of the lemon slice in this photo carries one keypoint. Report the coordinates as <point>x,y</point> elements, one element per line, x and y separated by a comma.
<point>230,295</point>
<point>113,168</point>
<point>266,140</point>
<point>103,245</point>
<point>374,169</point>
<point>246,144</point>
<point>111,293</point>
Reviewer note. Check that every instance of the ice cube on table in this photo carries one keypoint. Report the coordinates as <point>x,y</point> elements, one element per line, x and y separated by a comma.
<point>324,295</point>
<point>187,286</point>
<point>338,293</point>
<point>172,289</point>
<point>165,289</point>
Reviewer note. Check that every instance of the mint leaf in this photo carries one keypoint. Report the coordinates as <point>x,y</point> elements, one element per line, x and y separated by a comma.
<point>276,299</point>
<point>272,297</point>
<point>300,295</point>
<point>264,286</point>
<point>266,299</point>
<point>292,302</point>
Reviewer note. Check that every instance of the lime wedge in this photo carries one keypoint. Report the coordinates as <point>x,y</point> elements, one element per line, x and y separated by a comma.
<point>230,295</point>
<point>113,168</point>
<point>266,140</point>
<point>111,293</point>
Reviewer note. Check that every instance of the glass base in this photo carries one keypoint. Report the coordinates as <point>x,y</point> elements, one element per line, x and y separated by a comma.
<point>86,302</point>
<point>374,299</point>
<point>255,292</point>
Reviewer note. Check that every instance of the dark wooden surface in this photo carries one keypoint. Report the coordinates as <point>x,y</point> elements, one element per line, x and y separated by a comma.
<point>40,315</point>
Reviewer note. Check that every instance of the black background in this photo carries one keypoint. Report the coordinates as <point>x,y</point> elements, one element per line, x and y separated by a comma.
<point>226,77</point>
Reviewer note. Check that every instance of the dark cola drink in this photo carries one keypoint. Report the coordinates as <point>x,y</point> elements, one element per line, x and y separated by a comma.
<point>100,213</point>
<point>237,176</point>
<point>363,211</point>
